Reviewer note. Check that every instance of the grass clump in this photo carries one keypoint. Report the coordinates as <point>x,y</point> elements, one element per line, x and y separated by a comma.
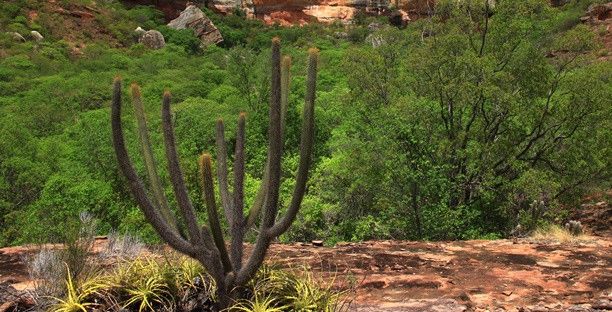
<point>177,283</point>
<point>294,292</point>
<point>557,234</point>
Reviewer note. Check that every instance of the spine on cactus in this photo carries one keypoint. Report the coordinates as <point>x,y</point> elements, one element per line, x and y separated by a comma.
<point>147,152</point>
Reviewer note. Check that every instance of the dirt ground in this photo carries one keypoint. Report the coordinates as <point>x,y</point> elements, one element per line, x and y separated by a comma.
<point>521,275</point>
<point>501,275</point>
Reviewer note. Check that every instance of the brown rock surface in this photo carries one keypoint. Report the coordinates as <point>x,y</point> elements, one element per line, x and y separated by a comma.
<point>501,275</point>
<point>193,18</point>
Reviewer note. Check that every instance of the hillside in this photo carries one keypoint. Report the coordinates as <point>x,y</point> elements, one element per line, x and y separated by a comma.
<point>441,155</point>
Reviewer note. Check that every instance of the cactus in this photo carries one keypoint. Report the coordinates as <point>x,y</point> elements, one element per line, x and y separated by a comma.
<point>147,153</point>
<point>574,227</point>
<point>206,244</point>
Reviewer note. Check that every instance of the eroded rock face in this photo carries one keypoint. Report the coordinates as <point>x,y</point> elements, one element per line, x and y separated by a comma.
<point>296,12</point>
<point>597,13</point>
<point>327,11</point>
<point>193,18</point>
<point>152,39</point>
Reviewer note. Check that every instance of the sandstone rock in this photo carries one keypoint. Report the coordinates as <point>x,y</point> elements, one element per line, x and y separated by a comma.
<point>152,39</point>
<point>399,18</point>
<point>17,36</point>
<point>597,13</point>
<point>374,26</point>
<point>139,31</point>
<point>193,18</point>
<point>14,300</point>
<point>603,304</point>
<point>375,40</point>
<point>36,35</point>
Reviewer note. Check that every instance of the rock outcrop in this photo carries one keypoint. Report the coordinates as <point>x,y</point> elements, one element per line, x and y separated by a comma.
<point>597,13</point>
<point>36,35</point>
<point>17,36</point>
<point>152,39</point>
<point>193,18</point>
<point>139,31</point>
<point>296,12</point>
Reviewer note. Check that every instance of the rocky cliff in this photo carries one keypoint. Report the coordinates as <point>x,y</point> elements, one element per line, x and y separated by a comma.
<point>288,12</point>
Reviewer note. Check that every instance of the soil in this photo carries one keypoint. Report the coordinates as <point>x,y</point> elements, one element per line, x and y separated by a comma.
<point>520,275</point>
<point>500,275</point>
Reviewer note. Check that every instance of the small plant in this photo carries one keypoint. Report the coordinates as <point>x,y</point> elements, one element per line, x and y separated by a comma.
<point>148,293</point>
<point>48,272</point>
<point>258,304</point>
<point>574,227</point>
<point>77,297</point>
<point>307,296</point>
<point>50,266</point>
<point>296,292</point>
<point>122,246</point>
<point>558,234</point>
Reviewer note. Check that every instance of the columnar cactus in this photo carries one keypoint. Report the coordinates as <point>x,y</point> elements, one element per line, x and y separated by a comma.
<point>206,243</point>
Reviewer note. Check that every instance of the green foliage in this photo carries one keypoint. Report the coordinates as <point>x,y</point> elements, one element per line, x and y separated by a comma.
<point>183,38</point>
<point>388,162</point>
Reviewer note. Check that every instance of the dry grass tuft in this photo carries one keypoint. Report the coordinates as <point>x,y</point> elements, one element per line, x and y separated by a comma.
<point>558,234</point>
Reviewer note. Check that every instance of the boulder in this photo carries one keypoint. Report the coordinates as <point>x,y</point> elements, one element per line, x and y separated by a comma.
<point>374,26</point>
<point>598,12</point>
<point>376,40</point>
<point>139,31</point>
<point>152,39</point>
<point>193,18</point>
<point>36,35</point>
<point>17,36</point>
<point>12,299</point>
<point>399,18</point>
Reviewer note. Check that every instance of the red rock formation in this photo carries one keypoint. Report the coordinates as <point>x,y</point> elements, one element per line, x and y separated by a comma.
<point>296,12</point>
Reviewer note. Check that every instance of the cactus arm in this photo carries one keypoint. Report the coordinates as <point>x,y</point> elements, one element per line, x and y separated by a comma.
<point>226,197</point>
<point>238,224</point>
<point>208,191</point>
<point>176,176</point>
<point>165,231</point>
<point>285,88</point>
<point>261,192</point>
<point>275,143</point>
<point>147,151</point>
<point>274,158</point>
<point>306,143</point>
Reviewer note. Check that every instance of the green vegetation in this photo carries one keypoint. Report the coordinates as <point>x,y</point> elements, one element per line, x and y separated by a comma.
<point>174,283</point>
<point>459,126</point>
